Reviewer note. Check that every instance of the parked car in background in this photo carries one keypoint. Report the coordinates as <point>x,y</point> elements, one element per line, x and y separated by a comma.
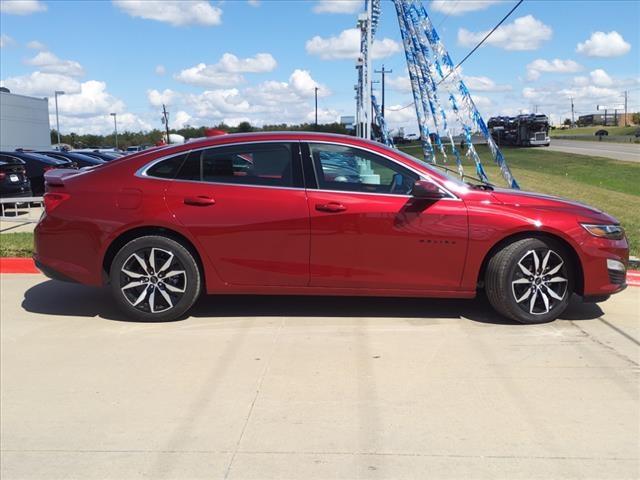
<point>13,178</point>
<point>36,165</point>
<point>135,148</point>
<point>106,156</point>
<point>81,160</point>
<point>259,214</point>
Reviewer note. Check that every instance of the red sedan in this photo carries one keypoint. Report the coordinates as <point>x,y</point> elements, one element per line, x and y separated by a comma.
<point>317,214</point>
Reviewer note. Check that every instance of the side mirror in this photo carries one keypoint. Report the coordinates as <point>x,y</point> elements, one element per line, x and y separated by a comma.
<point>426,190</point>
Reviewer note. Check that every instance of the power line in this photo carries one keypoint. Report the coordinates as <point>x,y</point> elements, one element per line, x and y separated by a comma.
<point>482,41</point>
<point>451,10</point>
<point>401,108</point>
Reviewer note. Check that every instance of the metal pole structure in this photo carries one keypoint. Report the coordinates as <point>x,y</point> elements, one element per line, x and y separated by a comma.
<point>115,128</point>
<point>625,108</point>
<point>383,72</point>
<point>165,115</point>
<point>573,121</point>
<point>367,79</point>
<point>316,90</point>
<point>58,92</point>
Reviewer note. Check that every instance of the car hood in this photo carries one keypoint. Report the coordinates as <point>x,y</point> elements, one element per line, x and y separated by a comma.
<point>550,203</point>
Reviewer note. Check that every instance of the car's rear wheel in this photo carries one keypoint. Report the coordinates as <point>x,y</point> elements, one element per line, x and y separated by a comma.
<point>530,280</point>
<point>154,279</point>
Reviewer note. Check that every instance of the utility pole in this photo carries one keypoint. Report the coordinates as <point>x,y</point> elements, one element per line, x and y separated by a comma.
<point>316,90</point>
<point>58,92</point>
<point>535,108</point>
<point>573,120</point>
<point>115,128</point>
<point>625,108</point>
<point>383,72</point>
<point>165,117</point>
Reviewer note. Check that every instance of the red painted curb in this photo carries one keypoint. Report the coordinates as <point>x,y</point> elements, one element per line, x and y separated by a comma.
<point>17,265</point>
<point>26,265</point>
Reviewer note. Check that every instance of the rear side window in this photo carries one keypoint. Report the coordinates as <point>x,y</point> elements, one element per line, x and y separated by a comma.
<point>168,168</point>
<point>267,164</point>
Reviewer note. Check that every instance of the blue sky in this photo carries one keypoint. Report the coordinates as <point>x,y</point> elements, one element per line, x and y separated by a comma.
<point>237,60</point>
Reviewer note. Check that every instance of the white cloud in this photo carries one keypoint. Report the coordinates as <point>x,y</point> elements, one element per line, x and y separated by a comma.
<point>338,6</point>
<point>41,84</point>
<point>396,114</point>
<point>36,45</point>
<point>49,63</point>
<point>181,119</point>
<point>227,72</point>
<point>160,70</point>
<point>203,75</point>
<point>399,84</point>
<point>602,44</point>
<point>22,7</point>
<point>460,7</point>
<point>485,84</point>
<point>268,102</point>
<point>174,12</point>
<point>535,68</point>
<point>524,33</point>
<point>347,46</point>
<point>600,78</point>
<point>254,3</point>
<point>6,40</point>
<point>93,99</point>
<point>259,63</point>
<point>157,98</point>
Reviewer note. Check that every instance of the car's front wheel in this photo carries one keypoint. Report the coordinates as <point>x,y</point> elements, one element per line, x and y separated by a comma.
<point>530,280</point>
<point>155,278</point>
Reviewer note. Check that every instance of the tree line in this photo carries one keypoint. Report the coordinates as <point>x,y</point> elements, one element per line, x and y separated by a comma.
<point>154,137</point>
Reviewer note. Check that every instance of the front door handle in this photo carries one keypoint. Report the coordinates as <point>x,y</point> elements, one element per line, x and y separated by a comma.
<point>199,201</point>
<point>330,207</point>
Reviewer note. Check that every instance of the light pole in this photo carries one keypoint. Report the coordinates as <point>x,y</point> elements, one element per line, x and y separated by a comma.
<point>58,92</point>
<point>316,91</point>
<point>115,127</point>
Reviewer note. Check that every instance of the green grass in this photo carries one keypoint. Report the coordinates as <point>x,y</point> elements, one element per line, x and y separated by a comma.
<point>609,185</point>
<point>581,131</point>
<point>16,244</point>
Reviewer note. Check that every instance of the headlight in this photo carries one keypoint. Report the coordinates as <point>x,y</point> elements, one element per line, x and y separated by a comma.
<point>612,232</point>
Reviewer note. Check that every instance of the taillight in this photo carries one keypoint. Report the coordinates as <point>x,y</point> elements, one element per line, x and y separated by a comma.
<point>3,175</point>
<point>53,200</point>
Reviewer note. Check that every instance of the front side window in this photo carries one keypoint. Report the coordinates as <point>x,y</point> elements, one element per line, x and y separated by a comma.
<point>267,164</point>
<point>350,169</point>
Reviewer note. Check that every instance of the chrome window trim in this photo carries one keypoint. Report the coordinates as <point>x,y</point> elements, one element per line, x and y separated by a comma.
<point>142,171</point>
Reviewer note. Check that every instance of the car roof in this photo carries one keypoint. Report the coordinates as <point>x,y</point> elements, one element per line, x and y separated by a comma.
<point>34,156</point>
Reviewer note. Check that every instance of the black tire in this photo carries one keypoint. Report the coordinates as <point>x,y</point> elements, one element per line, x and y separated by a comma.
<point>167,268</point>
<point>539,297</point>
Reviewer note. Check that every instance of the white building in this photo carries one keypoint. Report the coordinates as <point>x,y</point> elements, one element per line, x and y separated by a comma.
<point>24,122</point>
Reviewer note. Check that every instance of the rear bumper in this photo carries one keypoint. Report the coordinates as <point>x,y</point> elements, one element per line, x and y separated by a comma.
<point>63,252</point>
<point>52,273</point>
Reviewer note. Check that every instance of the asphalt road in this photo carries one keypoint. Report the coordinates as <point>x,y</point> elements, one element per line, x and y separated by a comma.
<point>314,388</point>
<point>629,152</point>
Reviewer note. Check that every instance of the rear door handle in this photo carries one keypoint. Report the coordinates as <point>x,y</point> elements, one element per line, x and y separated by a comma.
<point>199,201</point>
<point>330,207</point>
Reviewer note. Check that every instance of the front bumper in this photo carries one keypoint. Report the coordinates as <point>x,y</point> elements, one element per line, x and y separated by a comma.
<point>604,265</point>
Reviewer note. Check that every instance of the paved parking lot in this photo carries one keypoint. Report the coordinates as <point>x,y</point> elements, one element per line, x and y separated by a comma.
<point>306,388</point>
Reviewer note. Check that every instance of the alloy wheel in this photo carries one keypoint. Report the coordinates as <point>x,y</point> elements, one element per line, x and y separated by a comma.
<point>153,280</point>
<point>540,281</point>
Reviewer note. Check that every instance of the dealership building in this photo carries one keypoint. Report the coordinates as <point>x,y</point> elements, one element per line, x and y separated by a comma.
<point>24,122</point>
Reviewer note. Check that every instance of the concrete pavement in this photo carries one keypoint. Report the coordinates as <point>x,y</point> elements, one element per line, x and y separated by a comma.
<point>314,388</point>
<point>629,152</point>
